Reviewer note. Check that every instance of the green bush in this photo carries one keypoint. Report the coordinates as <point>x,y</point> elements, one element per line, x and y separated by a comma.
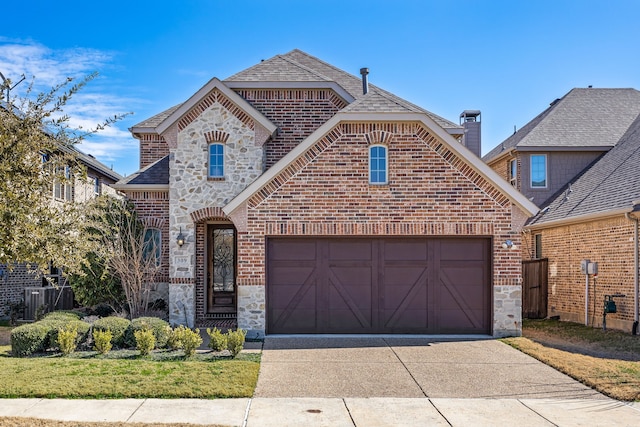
<point>64,315</point>
<point>67,340</point>
<point>28,339</point>
<point>217,340</point>
<point>175,338</point>
<point>118,327</point>
<point>235,341</point>
<point>55,324</point>
<point>188,339</point>
<point>145,341</point>
<point>157,325</point>
<point>102,340</point>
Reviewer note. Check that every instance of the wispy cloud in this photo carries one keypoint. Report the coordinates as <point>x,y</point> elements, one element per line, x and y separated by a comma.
<point>47,67</point>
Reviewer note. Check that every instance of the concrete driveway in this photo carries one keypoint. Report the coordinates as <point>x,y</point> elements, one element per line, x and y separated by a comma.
<point>399,367</point>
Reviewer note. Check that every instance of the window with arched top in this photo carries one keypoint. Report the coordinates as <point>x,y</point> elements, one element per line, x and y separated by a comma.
<point>152,245</point>
<point>216,160</point>
<point>378,164</point>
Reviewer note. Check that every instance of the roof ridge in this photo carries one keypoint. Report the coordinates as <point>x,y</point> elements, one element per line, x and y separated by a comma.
<point>304,67</point>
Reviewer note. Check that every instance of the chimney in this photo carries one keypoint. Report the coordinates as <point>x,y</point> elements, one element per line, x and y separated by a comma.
<point>365,81</point>
<point>470,121</point>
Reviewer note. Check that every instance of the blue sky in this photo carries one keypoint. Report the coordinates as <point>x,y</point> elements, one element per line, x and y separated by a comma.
<point>509,59</point>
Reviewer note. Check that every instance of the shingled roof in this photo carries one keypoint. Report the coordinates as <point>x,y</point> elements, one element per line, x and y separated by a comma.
<point>582,118</point>
<point>611,184</point>
<point>300,67</point>
<point>157,173</point>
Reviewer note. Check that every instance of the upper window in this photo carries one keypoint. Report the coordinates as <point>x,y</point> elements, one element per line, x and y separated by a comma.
<point>513,172</point>
<point>377,164</point>
<point>151,245</point>
<point>63,190</point>
<point>216,160</point>
<point>538,171</point>
<point>96,186</point>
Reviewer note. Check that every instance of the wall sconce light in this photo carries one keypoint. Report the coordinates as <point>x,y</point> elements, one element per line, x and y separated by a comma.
<point>508,244</point>
<point>180,240</point>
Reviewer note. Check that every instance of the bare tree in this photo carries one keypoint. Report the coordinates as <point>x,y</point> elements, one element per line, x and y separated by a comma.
<point>131,250</point>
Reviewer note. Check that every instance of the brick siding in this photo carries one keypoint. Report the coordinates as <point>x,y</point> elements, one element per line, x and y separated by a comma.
<point>152,147</point>
<point>609,242</point>
<point>296,113</point>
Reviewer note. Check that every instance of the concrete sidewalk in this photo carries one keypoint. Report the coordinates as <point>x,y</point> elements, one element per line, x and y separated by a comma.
<point>334,412</point>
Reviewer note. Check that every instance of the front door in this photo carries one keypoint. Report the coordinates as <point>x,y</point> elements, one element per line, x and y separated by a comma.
<point>221,269</point>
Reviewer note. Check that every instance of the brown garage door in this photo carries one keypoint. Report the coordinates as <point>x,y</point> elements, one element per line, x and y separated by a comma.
<point>378,285</point>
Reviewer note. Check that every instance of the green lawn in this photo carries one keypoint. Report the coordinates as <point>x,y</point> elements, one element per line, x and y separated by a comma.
<point>87,375</point>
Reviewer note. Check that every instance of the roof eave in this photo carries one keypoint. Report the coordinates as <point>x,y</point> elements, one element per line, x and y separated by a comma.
<point>239,84</point>
<point>476,163</point>
<point>141,187</point>
<point>215,83</point>
<point>579,218</point>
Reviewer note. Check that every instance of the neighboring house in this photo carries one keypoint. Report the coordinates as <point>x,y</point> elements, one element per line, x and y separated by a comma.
<point>594,218</point>
<point>297,198</point>
<point>99,180</point>
<point>587,194</point>
<point>549,151</point>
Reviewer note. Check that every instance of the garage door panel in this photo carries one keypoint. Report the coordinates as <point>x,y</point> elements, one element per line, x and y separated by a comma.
<point>379,285</point>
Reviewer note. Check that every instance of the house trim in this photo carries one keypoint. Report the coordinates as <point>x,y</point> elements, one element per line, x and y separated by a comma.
<point>579,218</point>
<point>141,187</point>
<point>292,85</point>
<point>472,160</point>
<point>233,96</point>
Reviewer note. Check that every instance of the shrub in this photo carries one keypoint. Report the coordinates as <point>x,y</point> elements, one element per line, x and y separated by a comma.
<point>116,325</point>
<point>175,339</point>
<point>67,340</point>
<point>235,341</point>
<point>55,324</point>
<point>28,339</point>
<point>155,324</point>
<point>217,340</point>
<point>102,340</point>
<point>145,341</point>
<point>64,315</point>
<point>188,339</point>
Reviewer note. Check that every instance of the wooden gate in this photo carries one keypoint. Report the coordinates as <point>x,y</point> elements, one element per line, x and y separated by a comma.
<point>535,288</point>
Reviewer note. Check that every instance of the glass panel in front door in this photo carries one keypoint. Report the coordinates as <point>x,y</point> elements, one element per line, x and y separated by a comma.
<point>223,260</point>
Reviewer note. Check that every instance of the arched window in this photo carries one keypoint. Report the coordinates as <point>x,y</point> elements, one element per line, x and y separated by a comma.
<point>216,160</point>
<point>377,164</point>
<point>152,244</point>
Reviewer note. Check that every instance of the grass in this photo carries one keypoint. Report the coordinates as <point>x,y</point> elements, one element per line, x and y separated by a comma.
<point>123,374</point>
<point>606,361</point>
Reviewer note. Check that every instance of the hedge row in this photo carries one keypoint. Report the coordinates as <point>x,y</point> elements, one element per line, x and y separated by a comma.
<point>42,335</point>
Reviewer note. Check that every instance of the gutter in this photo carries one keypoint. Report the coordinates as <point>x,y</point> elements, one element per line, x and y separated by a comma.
<point>578,218</point>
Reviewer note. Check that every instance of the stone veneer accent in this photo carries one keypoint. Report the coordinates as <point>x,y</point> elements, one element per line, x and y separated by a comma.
<point>251,309</point>
<point>507,311</point>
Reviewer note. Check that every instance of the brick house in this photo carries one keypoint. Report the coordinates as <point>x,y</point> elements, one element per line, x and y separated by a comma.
<point>297,198</point>
<point>99,180</point>
<point>577,160</point>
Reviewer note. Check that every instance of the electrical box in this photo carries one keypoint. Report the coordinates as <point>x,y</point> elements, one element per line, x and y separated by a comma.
<point>583,266</point>
<point>592,268</point>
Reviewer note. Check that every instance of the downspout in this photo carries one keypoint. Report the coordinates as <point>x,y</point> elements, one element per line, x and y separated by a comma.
<point>636,258</point>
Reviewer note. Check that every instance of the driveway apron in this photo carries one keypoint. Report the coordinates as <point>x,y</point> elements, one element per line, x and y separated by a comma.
<point>403,367</point>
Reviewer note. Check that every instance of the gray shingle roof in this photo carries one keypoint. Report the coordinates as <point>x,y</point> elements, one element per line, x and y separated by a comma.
<point>582,118</point>
<point>154,121</point>
<point>612,182</point>
<point>155,173</point>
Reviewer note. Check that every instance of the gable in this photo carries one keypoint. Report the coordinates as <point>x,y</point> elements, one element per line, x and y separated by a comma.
<point>428,134</point>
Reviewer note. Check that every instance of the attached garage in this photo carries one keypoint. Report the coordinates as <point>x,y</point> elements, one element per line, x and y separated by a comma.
<point>381,285</point>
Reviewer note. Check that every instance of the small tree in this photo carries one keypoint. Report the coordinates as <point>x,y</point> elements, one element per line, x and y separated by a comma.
<point>127,250</point>
<point>36,154</point>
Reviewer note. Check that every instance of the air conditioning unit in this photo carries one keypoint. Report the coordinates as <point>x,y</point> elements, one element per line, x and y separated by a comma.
<point>48,297</point>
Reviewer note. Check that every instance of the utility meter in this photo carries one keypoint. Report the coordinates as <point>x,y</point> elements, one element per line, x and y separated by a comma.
<point>584,265</point>
<point>592,268</point>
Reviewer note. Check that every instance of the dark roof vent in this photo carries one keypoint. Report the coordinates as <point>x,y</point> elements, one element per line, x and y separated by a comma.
<point>365,80</point>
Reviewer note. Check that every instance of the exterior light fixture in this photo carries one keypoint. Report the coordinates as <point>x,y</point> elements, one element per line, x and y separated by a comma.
<point>508,244</point>
<point>180,240</point>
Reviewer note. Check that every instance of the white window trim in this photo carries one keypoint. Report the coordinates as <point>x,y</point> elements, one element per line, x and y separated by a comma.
<point>386,158</point>
<point>546,172</point>
<point>224,160</point>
